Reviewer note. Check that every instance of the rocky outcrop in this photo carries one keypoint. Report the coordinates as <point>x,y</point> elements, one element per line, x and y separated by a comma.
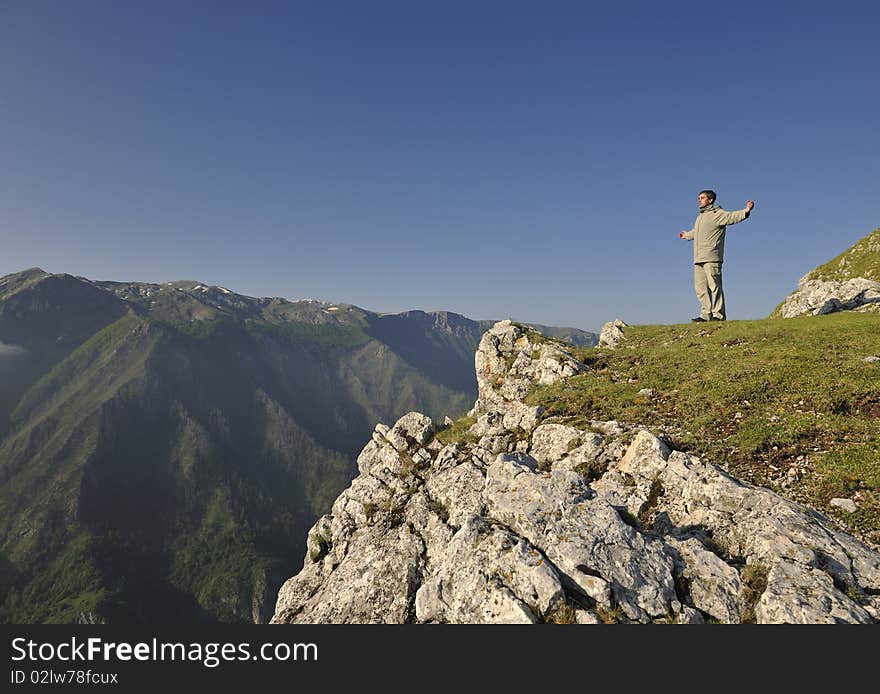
<point>527,521</point>
<point>612,333</point>
<point>817,297</point>
<point>509,360</point>
<point>849,282</point>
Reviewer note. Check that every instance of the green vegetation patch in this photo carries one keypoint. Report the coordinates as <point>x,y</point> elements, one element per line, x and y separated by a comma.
<point>97,351</point>
<point>537,338</point>
<point>756,397</point>
<point>754,578</point>
<point>204,329</point>
<point>305,333</point>
<point>562,612</point>
<point>64,590</point>
<point>457,431</point>
<point>219,564</point>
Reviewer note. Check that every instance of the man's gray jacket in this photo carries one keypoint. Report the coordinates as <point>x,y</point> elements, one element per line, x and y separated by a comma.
<point>708,232</point>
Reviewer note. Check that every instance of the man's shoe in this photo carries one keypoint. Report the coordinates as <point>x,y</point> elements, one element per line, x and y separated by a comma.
<point>699,319</point>
<point>714,318</point>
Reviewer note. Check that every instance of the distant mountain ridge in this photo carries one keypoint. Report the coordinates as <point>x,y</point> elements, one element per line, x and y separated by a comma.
<point>162,446</point>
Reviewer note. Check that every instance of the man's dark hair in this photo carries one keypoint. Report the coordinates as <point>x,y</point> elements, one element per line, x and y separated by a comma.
<point>710,193</point>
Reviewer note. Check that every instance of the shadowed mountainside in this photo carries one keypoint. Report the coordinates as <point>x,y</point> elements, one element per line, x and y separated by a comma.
<point>162,447</point>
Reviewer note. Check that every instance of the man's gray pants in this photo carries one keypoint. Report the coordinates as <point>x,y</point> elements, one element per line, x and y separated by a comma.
<point>707,283</point>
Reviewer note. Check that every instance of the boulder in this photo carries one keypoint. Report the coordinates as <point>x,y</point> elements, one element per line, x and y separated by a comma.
<point>611,333</point>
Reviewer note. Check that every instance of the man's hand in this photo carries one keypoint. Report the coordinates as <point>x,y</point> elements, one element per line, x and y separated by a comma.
<point>749,205</point>
<point>681,234</point>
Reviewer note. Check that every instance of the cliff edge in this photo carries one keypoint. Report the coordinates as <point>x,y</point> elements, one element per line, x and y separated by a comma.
<point>523,522</point>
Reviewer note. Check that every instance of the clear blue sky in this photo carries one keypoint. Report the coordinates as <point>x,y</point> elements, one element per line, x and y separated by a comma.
<point>533,160</point>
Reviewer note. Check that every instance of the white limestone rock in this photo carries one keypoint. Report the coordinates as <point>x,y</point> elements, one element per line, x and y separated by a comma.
<point>411,430</point>
<point>611,333</point>
<point>714,586</point>
<point>488,576</point>
<point>847,505</point>
<point>584,537</point>
<point>550,442</point>
<point>509,360</point>
<point>796,595</point>
<point>816,297</point>
<point>459,491</point>
<point>375,583</point>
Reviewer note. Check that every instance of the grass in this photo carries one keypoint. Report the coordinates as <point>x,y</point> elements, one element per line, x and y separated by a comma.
<point>609,615</point>
<point>457,432</point>
<point>561,613</point>
<point>754,578</point>
<point>756,397</point>
<point>101,349</point>
<point>538,339</point>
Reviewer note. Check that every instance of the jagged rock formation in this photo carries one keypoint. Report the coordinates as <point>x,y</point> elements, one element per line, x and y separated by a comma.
<point>611,333</point>
<point>508,361</point>
<point>849,282</point>
<point>817,297</point>
<point>529,522</point>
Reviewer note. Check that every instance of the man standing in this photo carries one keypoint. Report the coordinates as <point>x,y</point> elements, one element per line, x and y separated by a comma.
<point>708,237</point>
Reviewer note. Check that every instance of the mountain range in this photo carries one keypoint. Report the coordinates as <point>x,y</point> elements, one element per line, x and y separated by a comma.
<point>165,447</point>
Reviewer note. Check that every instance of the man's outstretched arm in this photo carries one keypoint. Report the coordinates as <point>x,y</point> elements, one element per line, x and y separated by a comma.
<point>687,235</point>
<point>734,217</point>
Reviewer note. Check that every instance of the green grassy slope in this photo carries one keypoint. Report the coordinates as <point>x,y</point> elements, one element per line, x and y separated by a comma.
<point>55,430</point>
<point>44,318</point>
<point>757,397</point>
<point>155,475</point>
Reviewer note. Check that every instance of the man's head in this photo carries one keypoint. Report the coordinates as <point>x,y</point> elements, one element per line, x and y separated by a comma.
<point>706,197</point>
